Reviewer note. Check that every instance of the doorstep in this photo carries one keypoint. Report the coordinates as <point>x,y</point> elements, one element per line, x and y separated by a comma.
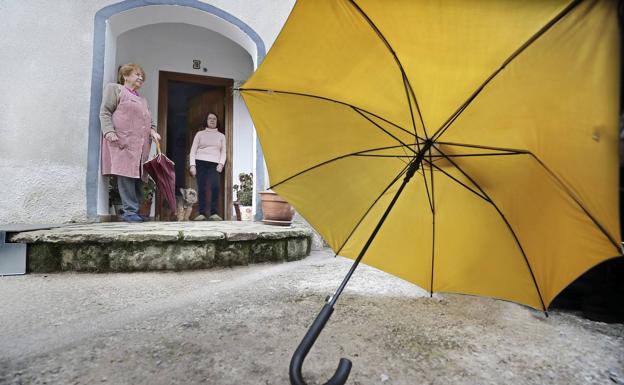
<point>120,246</point>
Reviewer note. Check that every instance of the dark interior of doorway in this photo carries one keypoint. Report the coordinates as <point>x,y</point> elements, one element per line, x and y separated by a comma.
<point>177,118</point>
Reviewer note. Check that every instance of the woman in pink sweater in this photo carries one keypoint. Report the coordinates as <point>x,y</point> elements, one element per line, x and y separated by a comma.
<point>207,159</point>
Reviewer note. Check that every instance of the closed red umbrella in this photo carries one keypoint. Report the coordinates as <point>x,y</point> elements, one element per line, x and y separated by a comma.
<point>161,169</point>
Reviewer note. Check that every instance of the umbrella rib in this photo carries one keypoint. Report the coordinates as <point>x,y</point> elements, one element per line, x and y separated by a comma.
<point>263,90</point>
<point>360,110</point>
<point>477,154</point>
<point>399,157</point>
<point>394,180</point>
<point>503,149</point>
<point>513,233</point>
<point>550,172</point>
<point>385,156</point>
<point>578,202</point>
<point>409,103</point>
<point>515,54</point>
<point>430,198</point>
<point>384,130</point>
<point>485,198</point>
<point>357,153</point>
<point>406,81</point>
<point>433,226</point>
<point>440,156</point>
<point>426,185</point>
<point>411,91</point>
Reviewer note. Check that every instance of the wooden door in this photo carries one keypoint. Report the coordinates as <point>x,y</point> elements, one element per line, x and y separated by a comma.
<point>219,99</point>
<point>198,107</point>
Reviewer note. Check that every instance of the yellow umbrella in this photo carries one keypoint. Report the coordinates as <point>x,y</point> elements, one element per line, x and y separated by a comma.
<point>466,146</point>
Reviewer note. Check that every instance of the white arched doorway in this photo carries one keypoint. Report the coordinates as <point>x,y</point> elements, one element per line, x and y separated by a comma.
<point>183,30</point>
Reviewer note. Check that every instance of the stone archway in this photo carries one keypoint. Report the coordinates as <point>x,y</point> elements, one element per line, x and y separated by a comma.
<point>132,14</point>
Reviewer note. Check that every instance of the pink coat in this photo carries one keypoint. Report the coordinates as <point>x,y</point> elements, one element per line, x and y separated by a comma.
<point>132,122</point>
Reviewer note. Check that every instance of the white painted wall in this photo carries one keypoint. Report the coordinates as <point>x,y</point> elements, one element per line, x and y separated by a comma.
<point>172,47</point>
<point>159,14</point>
<point>44,110</point>
<point>46,66</point>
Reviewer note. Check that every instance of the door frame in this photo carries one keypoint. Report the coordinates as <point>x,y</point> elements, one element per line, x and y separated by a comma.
<point>163,97</point>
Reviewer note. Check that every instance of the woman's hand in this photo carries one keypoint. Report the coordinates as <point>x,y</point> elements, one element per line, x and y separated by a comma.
<point>111,136</point>
<point>220,167</point>
<point>155,135</point>
<point>193,170</point>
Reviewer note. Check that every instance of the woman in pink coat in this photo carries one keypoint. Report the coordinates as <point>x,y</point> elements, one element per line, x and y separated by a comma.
<point>127,131</point>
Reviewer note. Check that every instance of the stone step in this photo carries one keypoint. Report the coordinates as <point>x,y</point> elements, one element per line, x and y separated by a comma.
<point>118,246</point>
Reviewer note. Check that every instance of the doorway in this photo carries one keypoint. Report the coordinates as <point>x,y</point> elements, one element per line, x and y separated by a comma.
<point>183,102</point>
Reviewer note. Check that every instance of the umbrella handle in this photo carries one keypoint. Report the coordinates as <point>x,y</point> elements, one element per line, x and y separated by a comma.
<point>158,147</point>
<point>344,367</point>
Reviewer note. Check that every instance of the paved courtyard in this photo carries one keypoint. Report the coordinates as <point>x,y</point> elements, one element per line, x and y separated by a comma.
<point>240,326</point>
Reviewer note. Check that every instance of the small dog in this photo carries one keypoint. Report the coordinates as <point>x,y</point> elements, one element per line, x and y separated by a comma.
<point>184,203</point>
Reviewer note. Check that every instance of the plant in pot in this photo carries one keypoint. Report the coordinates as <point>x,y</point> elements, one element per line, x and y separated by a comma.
<point>244,195</point>
<point>275,209</point>
<point>149,190</point>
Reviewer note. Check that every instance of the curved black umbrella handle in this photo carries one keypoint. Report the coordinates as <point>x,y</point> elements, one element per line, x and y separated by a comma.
<point>344,367</point>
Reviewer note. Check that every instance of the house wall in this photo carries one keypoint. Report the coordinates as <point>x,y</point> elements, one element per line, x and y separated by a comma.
<point>46,69</point>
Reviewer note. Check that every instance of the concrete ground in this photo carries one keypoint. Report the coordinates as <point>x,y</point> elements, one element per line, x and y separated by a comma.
<point>241,325</point>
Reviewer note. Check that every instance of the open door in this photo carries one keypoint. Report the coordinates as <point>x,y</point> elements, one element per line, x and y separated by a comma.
<point>198,107</point>
<point>183,102</point>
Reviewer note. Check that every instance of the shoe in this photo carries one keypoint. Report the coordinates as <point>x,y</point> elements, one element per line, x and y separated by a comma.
<point>215,217</point>
<point>131,218</point>
<point>200,217</point>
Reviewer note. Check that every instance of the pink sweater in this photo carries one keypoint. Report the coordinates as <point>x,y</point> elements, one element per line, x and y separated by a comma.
<point>208,145</point>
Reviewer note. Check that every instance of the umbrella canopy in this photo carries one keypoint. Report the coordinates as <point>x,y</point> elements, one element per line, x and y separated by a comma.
<point>465,146</point>
<point>517,195</point>
<point>162,170</point>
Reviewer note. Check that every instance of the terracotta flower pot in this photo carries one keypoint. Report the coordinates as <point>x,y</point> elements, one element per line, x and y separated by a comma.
<point>275,210</point>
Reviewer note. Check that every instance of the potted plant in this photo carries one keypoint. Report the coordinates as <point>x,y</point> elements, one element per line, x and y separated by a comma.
<point>149,190</point>
<point>275,209</point>
<point>244,195</point>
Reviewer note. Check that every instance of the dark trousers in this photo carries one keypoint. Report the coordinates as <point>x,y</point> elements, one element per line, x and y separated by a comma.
<point>131,192</point>
<point>208,178</point>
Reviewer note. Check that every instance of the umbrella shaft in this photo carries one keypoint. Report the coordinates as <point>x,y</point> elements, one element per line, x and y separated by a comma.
<point>417,160</point>
<point>410,172</point>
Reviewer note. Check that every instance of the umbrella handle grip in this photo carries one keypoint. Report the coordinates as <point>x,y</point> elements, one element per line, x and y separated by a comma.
<point>344,367</point>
